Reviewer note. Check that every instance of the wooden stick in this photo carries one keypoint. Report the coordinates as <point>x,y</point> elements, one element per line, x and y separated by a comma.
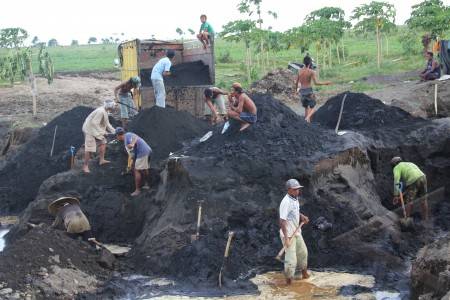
<point>53,143</point>
<point>290,239</point>
<point>435,98</point>
<point>340,114</point>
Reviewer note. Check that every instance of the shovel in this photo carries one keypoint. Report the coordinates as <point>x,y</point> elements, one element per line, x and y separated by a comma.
<point>225,126</point>
<point>278,257</point>
<point>340,116</point>
<point>194,237</point>
<point>406,221</point>
<point>225,257</point>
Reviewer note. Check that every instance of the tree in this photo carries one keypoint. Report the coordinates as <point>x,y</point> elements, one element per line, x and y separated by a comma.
<point>180,32</point>
<point>12,37</point>
<point>191,31</point>
<point>74,43</point>
<point>92,40</point>
<point>52,43</point>
<point>375,17</point>
<point>432,16</point>
<point>35,41</point>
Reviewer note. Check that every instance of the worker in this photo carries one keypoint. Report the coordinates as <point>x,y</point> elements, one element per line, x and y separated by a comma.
<point>161,69</point>
<point>95,127</point>
<point>141,152</point>
<point>304,80</point>
<point>296,254</point>
<point>206,33</point>
<point>215,104</point>
<point>241,107</point>
<point>67,211</point>
<point>414,183</point>
<point>124,93</point>
<point>432,70</point>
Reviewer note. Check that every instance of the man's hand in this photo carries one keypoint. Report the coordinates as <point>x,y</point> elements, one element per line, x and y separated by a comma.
<point>304,219</point>
<point>395,200</point>
<point>287,242</point>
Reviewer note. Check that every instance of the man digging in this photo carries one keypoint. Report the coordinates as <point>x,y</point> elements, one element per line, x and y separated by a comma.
<point>95,127</point>
<point>161,69</point>
<point>296,254</point>
<point>305,78</point>
<point>141,153</point>
<point>215,104</point>
<point>124,95</point>
<point>242,108</point>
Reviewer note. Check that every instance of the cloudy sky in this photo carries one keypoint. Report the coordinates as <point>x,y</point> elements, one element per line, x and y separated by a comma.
<point>78,20</point>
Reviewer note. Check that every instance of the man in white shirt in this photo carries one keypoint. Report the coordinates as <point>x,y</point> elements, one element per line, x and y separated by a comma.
<point>296,254</point>
<point>95,127</point>
<point>160,69</point>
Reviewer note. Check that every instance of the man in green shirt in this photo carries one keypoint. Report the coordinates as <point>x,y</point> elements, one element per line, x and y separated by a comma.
<point>415,183</point>
<point>206,34</point>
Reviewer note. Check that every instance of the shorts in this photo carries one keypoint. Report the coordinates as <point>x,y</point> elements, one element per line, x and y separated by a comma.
<point>219,103</point>
<point>127,107</point>
<point>416,190</point>
<point>307,98</point>
<point>142,163</point>
<point>248,117</point>
<point>91,142</point>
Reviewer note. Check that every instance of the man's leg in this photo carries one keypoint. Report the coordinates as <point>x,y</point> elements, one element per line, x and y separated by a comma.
<point>146,179</point>
<point>302,256</point>
<point>290,260</point>
<point>160,93</point>
<point>87,157</point>
<point>101,152</point>
<point>422,193</point>
<point>124,113</point>
<point>137,182</point>
<point>89,146</point>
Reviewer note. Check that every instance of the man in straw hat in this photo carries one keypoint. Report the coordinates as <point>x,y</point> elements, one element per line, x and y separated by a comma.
<point>242,108</point>
<point>68,212</point>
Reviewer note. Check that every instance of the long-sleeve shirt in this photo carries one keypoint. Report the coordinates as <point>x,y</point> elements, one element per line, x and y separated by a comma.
<point>406,172</point>
<point>97,123</point>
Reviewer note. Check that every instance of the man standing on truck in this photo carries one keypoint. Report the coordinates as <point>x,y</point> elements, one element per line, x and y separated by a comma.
<point>206,33</point>
<point>242,108</point>
<point>305,77</point>
<point>161,69</point>
<point>124,93</point>
<point>214,101</point>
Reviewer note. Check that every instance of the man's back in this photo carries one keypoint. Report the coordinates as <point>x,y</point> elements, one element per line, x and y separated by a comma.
<point>249,105</point>
<point>305,77</point>
<point>158,69</point>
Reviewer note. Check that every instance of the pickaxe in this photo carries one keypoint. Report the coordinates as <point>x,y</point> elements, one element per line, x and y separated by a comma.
<point>278,257</point>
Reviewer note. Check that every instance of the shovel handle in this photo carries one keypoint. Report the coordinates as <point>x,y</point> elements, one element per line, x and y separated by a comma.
<point>290,239</point>
<point>403,204</point>
<point>227,248</point>
<point>199,218</point>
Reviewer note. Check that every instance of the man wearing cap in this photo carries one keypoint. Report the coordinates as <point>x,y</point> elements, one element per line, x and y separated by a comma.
<point>95,127</point>
<point>141,151</point>
<point>161,69</point>
<point>241,108</point>
<point>296,254</point>
<point>68,212</point>
<point>215,103</point>
<point>124,93</point>
<point>414,183</point>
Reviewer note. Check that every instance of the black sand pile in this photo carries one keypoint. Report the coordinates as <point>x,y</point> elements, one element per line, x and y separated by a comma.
<point>362,112</point>
<point>184,74</point>
<point>24,172</point>
<point>165,129</point>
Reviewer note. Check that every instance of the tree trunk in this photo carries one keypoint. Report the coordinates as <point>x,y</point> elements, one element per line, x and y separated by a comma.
<point>337,53</point>
<point>378,46</point>
<point>330,60</point>
<point>249,76</point>
<point>387,45</point>
<point>343,50</point>
<point>318,65</point>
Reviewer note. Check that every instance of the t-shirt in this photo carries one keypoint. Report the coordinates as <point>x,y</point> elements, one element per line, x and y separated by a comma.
<point>141,148</point>
<point>163,65</point>
<point>290,211</point>
<point>207,27</point>
<point>406,172</point>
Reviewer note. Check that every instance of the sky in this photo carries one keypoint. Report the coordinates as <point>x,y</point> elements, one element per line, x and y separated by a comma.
<point>78,20</point>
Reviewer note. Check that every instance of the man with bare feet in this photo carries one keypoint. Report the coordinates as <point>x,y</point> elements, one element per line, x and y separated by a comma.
<point>206,33</point>
<point>305,77</point>
<point>296,254</point>
<point>95,127</point>
<point>241,107</point>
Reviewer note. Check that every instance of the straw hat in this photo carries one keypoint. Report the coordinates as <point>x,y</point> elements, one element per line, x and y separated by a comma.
<point>58,203</point>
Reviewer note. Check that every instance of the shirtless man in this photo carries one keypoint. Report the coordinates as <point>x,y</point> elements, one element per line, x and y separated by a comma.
<point>305,76</point>
<point>242,108</point>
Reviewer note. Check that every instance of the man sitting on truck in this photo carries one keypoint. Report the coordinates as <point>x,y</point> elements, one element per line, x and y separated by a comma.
<point>206,34</point>
<point>214,101</point>
<point>160,69</point>
<point>242,108</point>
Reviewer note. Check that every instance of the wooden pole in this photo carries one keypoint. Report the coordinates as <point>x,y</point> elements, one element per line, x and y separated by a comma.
<point>435,98</point>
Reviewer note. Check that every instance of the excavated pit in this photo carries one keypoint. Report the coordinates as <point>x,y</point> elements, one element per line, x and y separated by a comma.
<point>240,177</point>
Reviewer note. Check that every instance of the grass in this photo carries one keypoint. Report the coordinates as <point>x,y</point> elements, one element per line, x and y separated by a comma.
<point>360,61</point>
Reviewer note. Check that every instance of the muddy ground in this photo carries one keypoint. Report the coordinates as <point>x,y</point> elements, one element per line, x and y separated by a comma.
<point>240,178</point>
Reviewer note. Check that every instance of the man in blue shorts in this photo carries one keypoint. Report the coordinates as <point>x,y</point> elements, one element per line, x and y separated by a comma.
<point>241,107</point>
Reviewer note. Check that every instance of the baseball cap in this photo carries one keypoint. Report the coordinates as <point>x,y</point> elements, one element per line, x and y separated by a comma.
<point>293,184</point>
<point>120,130</point>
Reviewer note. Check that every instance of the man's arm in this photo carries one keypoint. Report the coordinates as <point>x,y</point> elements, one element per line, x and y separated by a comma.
<point>314,79</point>
<point>219,91</point>
<point>297,81</point>
<point>240,106</point>
<point>396,181</point>
<point>167,66</point>
<point>116,91</point>
<point>304,219</point>
<point>211,107</point>
<point>283,226</point>
<point>109,127</point>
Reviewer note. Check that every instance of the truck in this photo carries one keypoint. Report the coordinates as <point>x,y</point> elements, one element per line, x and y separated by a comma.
<point>137,58</point>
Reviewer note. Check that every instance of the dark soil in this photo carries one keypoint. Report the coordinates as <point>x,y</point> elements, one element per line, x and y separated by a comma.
<point>165,129</point>
<point>184,74</point>
<point>362,113</point>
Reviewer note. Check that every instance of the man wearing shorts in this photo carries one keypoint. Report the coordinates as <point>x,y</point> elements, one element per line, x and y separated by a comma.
<point>124,95</point>
<point>214,101</point>
<point>95,127</point>
<point>206,33</point>
<point>305,77</point>
<point>414,182</point>
<point>242,108</point>
<point>141,152</point>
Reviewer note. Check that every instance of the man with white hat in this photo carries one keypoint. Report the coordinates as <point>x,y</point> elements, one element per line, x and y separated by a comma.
<point>296,254</point>
<point>95,127</point>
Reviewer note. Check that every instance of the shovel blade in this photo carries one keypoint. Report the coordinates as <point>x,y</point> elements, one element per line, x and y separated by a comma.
<point>225,126</point>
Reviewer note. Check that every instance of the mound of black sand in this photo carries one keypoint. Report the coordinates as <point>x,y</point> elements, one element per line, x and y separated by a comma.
<point>165,129</point>
<point>361,112</point>
<point>184,74</point>
<point>24,172</point>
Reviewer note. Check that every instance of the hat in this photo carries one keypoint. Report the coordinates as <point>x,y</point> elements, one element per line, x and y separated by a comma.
<point>395,160</point>
<point>293,184</point>
<point>119,130</point>
<point>236,85</point>
<point>136,81</point>
<point>60,202</point>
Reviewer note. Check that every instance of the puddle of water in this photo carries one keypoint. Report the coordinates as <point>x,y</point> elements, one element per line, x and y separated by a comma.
<point>3,232</point>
